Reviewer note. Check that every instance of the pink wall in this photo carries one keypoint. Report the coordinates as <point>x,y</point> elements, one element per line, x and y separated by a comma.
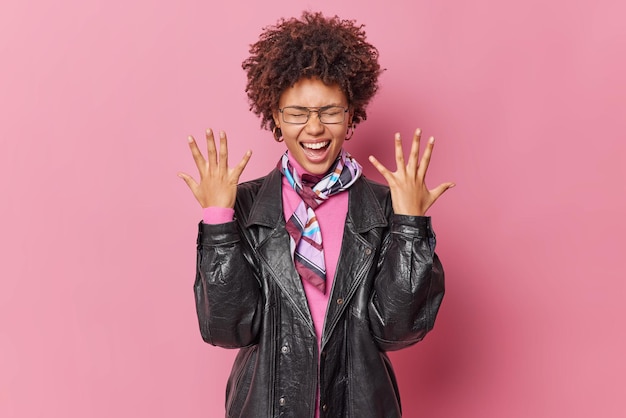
<point>527,100</point>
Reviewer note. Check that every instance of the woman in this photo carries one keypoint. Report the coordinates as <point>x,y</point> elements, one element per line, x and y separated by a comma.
<point>314,271</point>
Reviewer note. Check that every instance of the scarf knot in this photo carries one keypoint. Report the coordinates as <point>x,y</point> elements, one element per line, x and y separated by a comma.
<point>303,226</point>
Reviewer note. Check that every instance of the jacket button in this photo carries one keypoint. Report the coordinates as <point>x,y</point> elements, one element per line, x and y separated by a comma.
<point>284,349</point>
<point>325,408</point>
<point>281,401</point>
<point>368,251</point>
<point>340,301</point>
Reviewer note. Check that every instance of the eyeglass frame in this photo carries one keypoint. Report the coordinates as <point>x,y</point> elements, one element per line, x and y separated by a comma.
<point>310,110</point>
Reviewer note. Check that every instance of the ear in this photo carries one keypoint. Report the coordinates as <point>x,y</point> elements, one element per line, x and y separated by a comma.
<point>276,117</point>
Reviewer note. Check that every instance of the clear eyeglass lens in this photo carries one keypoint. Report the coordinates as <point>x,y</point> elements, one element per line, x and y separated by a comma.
<point>333,114</point>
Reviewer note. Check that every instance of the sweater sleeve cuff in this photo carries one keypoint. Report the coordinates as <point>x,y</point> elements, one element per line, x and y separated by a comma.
<point>217,215</point>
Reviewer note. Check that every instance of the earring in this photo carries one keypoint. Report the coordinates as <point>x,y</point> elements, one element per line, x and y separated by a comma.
<point>278,134</point>
<point>350,132</point>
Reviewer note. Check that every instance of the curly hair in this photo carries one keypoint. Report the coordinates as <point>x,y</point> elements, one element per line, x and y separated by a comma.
<point>331,49</point>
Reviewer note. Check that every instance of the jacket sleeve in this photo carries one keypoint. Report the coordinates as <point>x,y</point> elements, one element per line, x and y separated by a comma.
<point>228,295</point>
<point>409,285</point>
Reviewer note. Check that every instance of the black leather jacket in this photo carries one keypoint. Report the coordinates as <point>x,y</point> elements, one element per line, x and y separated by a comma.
<point>387,291</point>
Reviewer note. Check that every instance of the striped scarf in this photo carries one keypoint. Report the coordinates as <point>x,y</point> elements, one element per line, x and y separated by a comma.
<point>303,226</point>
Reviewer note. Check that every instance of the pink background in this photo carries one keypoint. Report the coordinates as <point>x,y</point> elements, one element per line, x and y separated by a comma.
<point>526,99</point>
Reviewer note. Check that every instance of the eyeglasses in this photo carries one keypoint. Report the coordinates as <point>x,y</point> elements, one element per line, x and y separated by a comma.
<point>299,115</point>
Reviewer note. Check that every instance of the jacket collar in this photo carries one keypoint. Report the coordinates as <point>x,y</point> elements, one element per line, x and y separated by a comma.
<point>364,208</point>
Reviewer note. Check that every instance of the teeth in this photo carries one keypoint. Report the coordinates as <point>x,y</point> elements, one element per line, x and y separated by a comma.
<point>317,145</point>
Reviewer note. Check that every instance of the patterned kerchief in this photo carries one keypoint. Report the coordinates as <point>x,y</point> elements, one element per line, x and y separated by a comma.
<point>303,226</point>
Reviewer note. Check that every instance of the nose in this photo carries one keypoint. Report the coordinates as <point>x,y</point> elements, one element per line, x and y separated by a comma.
<point>314,126</point>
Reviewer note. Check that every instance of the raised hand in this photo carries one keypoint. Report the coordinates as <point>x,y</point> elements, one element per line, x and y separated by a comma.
<point>218,182</point>
<point>409,194</point>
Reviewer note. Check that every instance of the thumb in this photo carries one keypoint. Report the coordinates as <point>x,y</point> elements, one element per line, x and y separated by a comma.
<point>189,180</point>
<point>439,190</point>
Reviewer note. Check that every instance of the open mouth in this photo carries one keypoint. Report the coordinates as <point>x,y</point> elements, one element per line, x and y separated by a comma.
<point>316,146</point>
<point>316,152</point>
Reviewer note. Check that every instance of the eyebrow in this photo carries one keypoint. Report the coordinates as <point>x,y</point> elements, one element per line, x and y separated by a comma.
<point>316,107</point>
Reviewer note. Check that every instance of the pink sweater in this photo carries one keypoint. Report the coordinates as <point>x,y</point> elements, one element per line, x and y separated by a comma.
<point>331,217</point>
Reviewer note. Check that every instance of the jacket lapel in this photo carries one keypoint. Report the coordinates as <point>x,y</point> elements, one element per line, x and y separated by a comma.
<point>357,254</point>
<point>272,244</point>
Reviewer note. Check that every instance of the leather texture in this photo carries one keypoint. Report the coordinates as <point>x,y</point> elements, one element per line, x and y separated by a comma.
<point>386,294</point>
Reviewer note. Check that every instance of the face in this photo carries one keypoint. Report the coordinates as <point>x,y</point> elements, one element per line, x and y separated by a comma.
<point>314,145</point>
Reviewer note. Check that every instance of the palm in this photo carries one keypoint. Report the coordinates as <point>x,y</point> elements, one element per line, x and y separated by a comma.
<point>218,182</point>
<point>407,184</point>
